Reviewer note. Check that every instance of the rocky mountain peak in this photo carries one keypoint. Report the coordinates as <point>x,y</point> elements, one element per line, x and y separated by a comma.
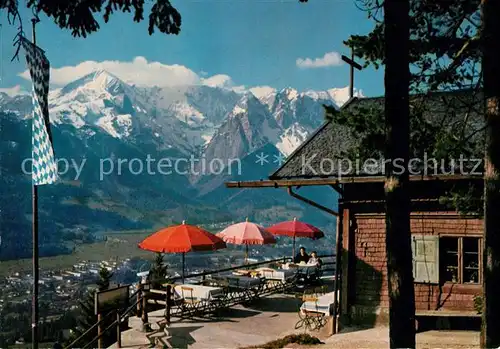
<point>98,80</point>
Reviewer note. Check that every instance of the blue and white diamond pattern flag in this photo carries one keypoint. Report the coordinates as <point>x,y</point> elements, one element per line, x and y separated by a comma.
<point>44,169</point>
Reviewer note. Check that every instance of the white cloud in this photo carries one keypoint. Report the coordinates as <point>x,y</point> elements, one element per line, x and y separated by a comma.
<point>139,72</point>
<point>330,59</point>
<point>219,80</point>
<point>262,91</point>
<point>143,73</point>
<point>223,81</point>
<point>14,91</point>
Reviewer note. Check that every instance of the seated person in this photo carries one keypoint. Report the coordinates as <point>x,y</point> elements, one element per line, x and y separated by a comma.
<point>301,257</point>
<point>314,260</point>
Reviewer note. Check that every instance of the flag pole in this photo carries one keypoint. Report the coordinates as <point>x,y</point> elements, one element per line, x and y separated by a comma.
<point>34,311</point>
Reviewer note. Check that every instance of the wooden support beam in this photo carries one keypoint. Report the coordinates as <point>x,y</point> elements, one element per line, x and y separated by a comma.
<point>280,183</point>
<point>344,261</point>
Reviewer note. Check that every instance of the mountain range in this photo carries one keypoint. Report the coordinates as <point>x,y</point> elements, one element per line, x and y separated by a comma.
<point>135,157</point>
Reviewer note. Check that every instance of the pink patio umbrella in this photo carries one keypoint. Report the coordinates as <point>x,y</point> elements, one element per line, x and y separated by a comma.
<point>246,233</point>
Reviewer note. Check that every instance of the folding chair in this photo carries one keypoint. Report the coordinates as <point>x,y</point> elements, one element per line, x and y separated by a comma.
<point>190,304</point>
<point>310,319</point>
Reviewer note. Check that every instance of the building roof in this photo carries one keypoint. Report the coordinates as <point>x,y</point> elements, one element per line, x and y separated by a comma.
<point>323,153</point>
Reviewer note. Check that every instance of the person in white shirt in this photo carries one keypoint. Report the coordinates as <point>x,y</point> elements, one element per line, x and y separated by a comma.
<point>314,259</point>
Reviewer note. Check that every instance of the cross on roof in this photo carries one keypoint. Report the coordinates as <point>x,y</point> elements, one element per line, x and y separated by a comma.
<point>352,65</point>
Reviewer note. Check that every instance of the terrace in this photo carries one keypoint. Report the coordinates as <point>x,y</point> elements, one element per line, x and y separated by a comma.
<point>262,321</point>
<point>238,306</point>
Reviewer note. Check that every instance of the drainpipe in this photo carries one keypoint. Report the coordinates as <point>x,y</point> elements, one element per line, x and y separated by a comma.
<point>312,203</point>
<point>338,262</point>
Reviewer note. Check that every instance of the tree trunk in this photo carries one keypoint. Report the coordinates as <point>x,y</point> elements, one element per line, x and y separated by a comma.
<point>490,334</point>
<point>398,235</point>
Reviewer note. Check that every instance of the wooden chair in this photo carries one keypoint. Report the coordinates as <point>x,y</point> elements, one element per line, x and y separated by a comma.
<point>190,304</point>
<point>310,320</point>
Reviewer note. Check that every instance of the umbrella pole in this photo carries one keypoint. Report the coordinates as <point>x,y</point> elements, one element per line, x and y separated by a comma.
<point>246,254</point>
<point>293,248</point>
<point>183,263</point>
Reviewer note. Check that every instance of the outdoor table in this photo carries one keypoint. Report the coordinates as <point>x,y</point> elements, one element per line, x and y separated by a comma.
<point>314,311</point>
<point>240,288</point>
<point>277,274</point>
<point>199,292</point>
<point>194,281</point>
<point>307,275</point>
<point>323,304</point>
<point>277,280</point>
<point>238,281</point>
<point>197,300</point>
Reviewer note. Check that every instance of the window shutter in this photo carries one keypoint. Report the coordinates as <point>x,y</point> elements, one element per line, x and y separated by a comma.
<point>425,249</point>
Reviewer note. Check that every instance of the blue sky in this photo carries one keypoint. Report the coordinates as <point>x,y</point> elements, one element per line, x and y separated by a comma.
<point>251,42</point>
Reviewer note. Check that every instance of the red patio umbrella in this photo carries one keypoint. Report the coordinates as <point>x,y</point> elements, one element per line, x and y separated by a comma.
<point>181,239</point>
<point>246,233</point>
<point>296,229</point>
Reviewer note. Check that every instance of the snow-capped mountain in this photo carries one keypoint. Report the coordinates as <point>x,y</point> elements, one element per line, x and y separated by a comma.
<point>99,116</point>
<point>189,119</point>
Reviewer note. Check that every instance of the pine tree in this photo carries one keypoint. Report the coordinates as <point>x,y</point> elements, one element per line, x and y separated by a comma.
<point>158,272</point>
<point>444,55</point>
<point>104,279</point>
<point>87,318</point>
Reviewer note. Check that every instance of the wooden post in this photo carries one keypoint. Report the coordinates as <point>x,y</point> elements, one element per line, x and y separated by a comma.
<point>144,314</point>
<point>168,305</point>
<point>345,261</point>
<point>352,65</point>
<point>99,332</point>
<point>338,253</point>
<point>118,330</point>
<point>183,265</point>
<point>35,261</point>
<point>351,76</point>
<point>140,291</point>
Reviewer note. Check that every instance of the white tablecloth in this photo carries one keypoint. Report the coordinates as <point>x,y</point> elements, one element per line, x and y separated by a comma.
<point>276,274</point>
<point>199,291</point>
<point>238,281</point>
<point>324,304</point>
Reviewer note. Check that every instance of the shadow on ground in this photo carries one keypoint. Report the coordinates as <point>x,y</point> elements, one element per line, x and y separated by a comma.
<point>181,336</point>
<point>277,304</point>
